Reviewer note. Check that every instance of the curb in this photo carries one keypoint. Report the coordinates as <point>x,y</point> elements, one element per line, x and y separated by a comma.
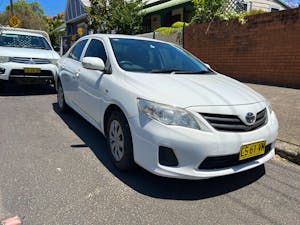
<point>288,151</point>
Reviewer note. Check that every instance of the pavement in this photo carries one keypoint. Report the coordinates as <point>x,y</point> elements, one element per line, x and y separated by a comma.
<point>55,170</point>
<point>286,104</point>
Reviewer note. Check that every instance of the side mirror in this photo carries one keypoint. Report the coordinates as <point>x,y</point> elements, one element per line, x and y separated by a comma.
<point>93,63</point>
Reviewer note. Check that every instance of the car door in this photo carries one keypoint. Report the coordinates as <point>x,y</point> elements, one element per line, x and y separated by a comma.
<point>90,92</point>
<point>69,72</point>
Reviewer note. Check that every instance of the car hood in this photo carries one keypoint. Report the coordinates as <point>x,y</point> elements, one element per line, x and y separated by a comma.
<point>28,53</point>
<point>192,90</point>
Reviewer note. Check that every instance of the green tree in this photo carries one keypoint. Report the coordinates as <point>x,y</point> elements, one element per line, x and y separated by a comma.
<point>54,29</point>
<point>31,15</point>
<point>219,10</point>
<point>209,10</point>
<point>120,16</point>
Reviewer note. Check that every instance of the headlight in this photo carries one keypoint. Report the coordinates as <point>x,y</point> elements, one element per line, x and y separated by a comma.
<point>167,114</point>
<point>269,105</point>
<point>4,59</point>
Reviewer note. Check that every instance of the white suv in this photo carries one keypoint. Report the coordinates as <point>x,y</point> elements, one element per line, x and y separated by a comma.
<point>164,109</point>
<point>26,56</point>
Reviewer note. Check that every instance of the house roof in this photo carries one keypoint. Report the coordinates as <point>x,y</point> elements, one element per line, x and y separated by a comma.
<point>154,6</point>
<point>283,3</point>
<point>86,2</point>
<point>164,5</point>
<point>75,10</point>
<point>71,16</point>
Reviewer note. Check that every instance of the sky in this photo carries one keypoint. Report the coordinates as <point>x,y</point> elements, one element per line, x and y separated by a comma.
<point>52,7</point>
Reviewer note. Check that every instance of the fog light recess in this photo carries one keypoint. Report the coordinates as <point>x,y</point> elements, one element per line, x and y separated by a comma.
<point>167,157</point>
<point>2,70</point>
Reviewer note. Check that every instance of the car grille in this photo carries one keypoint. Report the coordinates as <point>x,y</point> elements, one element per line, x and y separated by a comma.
<point>219,162</point>
<point>43,73</point>
<point>233,123</point>
<point>29,60</point>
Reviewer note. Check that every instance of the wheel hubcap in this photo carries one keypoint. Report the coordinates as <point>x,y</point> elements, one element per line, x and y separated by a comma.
<point>116,140</point>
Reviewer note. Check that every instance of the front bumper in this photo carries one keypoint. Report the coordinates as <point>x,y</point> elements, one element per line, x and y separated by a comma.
<point>11,70</point>
<point>192,147</point>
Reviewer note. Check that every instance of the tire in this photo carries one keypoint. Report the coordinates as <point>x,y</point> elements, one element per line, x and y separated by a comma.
<point>61,102</point>
<point>119,142</point>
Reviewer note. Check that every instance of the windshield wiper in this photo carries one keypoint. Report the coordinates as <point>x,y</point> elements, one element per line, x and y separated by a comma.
<point>165,71</point>
<point>37,47</point>
<point>176,71</point>
<point>192,72</point>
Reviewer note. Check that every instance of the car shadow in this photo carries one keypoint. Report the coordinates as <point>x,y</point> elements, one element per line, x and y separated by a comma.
<point>15,89</point>
<point>152,185</point>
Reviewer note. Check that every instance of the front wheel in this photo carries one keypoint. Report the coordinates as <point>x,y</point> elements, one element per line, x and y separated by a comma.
<point>119,141</point>
<point>62,105</point>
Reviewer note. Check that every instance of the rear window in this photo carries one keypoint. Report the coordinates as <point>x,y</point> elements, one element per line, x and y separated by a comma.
<point>23,41</point>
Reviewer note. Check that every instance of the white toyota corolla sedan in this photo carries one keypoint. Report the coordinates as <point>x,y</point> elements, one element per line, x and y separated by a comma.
<point>165,110</point>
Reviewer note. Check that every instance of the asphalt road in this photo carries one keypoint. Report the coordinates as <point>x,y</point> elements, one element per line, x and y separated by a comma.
<point>54,169</point>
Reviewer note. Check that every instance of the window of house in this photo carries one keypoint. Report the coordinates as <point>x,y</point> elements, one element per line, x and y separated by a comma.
<point>241,6</point>
<point>274,9</point>
<point>77,50</point>
<point>188,13</point>
<point>172,17</point>
<point>96,49</point>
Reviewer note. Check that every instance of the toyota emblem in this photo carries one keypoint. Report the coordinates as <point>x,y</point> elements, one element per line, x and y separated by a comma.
<point>250,118</point>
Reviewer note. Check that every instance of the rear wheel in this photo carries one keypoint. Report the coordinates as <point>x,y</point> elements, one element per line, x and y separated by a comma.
<point>62,105</point>
<point>119,141</point>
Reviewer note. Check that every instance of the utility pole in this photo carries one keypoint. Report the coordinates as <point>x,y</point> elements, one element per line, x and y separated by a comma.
<point>12,7</point>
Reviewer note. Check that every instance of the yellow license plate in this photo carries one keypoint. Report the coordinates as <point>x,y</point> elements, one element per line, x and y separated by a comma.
<point>251,150</point>
<point>32,70</point>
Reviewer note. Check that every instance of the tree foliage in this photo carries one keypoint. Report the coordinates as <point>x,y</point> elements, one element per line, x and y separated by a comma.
<point>219,10</point>
<point>119,16</point>
<point>174,28</point>
<point>55,33</point>
<point>31,14</point>
<point>209,10</point>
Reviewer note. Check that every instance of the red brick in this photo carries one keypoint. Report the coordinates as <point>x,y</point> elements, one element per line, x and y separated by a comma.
<point>265,49</point>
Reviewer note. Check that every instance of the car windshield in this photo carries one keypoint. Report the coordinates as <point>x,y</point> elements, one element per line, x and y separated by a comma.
<point>155,57</point>
<point>23,41</point>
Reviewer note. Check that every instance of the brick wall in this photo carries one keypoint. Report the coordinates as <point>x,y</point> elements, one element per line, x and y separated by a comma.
<point>265,50</point>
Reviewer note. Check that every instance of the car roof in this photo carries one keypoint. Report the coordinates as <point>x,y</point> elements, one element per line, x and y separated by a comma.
<point>21,33</point>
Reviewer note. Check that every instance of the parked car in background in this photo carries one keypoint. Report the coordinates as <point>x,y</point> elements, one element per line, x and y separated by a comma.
<point>165,110</point>
<point>26,56</point>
